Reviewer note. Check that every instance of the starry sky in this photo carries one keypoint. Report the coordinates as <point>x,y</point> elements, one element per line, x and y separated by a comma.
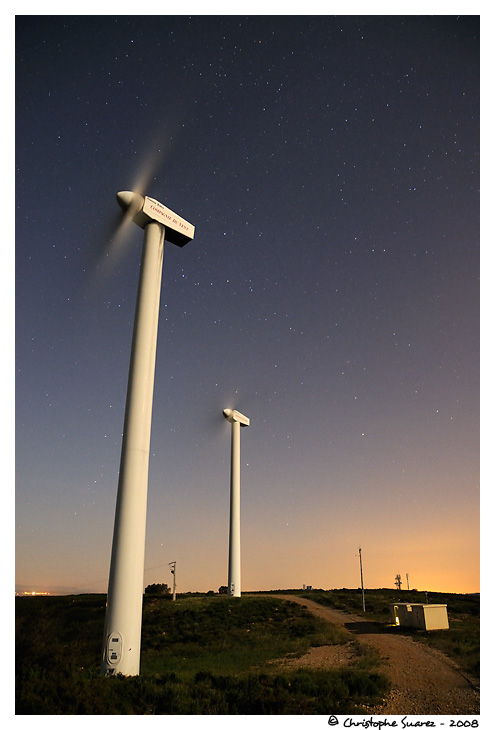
<point>330,165</point>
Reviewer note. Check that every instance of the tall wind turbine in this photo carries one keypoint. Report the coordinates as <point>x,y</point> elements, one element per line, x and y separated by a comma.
<point>237,420</point>
<point>122,635</point>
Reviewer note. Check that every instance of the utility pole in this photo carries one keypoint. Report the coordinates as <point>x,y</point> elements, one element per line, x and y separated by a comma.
<point>172,570</point>
<point>398,581</point>
<point>362,584</point>
<point>407,578</point>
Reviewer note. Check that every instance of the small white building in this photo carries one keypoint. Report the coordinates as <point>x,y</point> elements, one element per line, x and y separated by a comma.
<point>426,616</point>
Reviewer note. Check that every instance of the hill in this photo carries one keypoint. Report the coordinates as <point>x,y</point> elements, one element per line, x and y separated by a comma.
<point>200,655</point>
<point>217,655</point>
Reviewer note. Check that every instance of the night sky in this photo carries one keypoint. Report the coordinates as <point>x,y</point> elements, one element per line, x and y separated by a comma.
<point>330,165</point>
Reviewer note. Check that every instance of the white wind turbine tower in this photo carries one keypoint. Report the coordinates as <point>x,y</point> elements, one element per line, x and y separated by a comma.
<point>122,635</point>
<point>237,420</point>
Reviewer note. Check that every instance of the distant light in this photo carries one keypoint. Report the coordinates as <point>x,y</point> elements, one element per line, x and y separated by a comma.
<point>35,593</point>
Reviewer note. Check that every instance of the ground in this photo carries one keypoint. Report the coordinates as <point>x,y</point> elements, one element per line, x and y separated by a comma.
<point>424,681</point>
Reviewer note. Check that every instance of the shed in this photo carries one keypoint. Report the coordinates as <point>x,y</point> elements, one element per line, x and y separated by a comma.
<point>427,616</point>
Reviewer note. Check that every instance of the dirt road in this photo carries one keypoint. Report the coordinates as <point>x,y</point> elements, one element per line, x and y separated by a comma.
<point>424,681</point>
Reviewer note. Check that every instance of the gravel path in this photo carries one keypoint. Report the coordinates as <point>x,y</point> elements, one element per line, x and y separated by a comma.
<point>424,680</point>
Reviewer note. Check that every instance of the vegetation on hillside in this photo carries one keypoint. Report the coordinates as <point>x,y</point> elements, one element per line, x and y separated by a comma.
<point>461,641</point>
<point>209,655</point>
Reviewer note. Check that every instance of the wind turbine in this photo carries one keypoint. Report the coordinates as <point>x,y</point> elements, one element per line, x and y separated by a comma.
<point>122,635</point>
<point>237,420</point>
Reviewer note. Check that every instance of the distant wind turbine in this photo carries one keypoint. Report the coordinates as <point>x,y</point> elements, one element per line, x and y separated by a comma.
<point>122,634</point>
<point>237,420</point>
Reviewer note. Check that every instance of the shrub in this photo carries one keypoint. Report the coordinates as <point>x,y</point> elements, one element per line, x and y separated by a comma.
<point>219,648</point>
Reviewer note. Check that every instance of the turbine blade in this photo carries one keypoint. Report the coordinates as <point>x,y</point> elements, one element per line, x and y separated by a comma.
<point>116,238</point>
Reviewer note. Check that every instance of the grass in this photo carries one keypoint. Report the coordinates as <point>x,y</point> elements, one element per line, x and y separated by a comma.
<point>231,636</point>
<point>209,655</point>
<point>461,641</point>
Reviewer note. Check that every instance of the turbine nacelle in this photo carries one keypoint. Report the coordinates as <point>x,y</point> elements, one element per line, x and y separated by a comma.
<point>143,210</point>
<point>235,417</point>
